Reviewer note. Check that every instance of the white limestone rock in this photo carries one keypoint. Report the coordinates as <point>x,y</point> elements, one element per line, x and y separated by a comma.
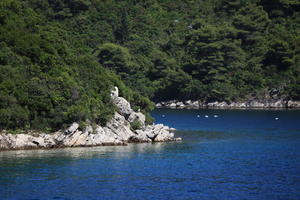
<point>188,102</point>
<point>180,104</point>
<point>212,104</point>
<point>46,140</point>
<point>140,136</point>
<point>72,128</point>
<point>104,136</point>
<point>137,116</point>
<point>256,104</point>
<point>158,105</point>
<point>196,104</point>
<point>21,141</point>
<point>172,105</point>
<point>276,104</point>
<point>293,104</point>
<point>120,127</point>
<point>39,141</point>
<point>114,93</point>
<point>223,104</point>
<point>72,140</point>
<point>116,132</point>
<point>123,106</point>
<point>5,143</point>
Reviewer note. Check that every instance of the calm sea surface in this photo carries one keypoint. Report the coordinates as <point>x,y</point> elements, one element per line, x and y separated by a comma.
<point>226,154</point>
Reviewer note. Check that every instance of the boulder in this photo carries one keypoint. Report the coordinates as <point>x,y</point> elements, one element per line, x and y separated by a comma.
<point>20,141</point>
<point>114,92</point>
<point>120,126</point>
<point>172,105</point>
<point>123,105</point>
<point>293,104</point>
<point>47,140</point>
<point>102,136</point>
<point>159,133</point>
<point>196,104</point>
<point>188,102</point>
<point>212,104</point>
<point>162,133</point>
<point>222,104</point>
<point>180,104</point>
<point>74,139</point>
<point>276,104</point>
<point>39,141</point>
<point>5,143</point>
<point>243,105</point>
<point>137,116</point>
<point>72,128</point>
<point>256,104</point>
<point>140,136</point>
<point>158,105</point>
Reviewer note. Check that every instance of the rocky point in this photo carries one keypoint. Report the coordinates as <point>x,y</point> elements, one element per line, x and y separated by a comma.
<point>118,131</point>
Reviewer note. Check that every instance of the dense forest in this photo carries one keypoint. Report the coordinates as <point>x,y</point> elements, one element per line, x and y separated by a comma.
<point>60,58</point>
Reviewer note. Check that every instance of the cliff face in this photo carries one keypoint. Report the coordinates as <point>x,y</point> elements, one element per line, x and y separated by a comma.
<point>118,131</point>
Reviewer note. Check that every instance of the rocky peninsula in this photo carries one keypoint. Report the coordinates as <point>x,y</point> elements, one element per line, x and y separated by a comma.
<point>118,131</point>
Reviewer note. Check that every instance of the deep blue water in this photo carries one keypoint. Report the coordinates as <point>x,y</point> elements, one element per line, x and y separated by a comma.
<point>241,154</point>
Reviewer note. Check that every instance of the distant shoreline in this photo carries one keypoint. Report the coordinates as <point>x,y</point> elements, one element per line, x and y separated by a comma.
<point>228,108</point>
<point>254,104</point>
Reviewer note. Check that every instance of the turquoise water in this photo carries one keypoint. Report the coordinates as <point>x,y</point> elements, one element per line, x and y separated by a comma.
<point>237,154</point>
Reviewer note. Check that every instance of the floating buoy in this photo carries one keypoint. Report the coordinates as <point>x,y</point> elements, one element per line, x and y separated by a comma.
<point>198,115</point>
<point>163,115</point>
<point>215,116</point>
<point>206,116</point>
<point>276,118</point>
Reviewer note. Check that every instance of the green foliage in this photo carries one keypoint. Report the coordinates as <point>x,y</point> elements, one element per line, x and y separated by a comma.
<point>114,57</point>
<point>149,119</point>
<point>135,125</point>
<point>60,58</point>
<point>47,77</point>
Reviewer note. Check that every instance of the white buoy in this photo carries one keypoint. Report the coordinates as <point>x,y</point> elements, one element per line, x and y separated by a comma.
<point>276,118</point>
<point>198,115</point>
<point>206,116</point>
<point>163,115</point>
<point>215,116</point>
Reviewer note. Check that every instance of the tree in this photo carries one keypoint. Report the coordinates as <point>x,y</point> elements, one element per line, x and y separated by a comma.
<point>114,57</point>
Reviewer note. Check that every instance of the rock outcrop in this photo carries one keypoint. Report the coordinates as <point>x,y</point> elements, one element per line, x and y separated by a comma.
<point>118,131</point>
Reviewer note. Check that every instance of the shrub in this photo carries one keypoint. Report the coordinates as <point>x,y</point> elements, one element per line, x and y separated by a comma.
<point>135,125</point>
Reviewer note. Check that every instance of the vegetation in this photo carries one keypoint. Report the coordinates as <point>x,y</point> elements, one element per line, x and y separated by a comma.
<point>60,58</point>
<point>135,125</point>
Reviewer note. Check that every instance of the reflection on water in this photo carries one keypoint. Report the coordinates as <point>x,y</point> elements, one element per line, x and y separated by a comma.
<point>85,152</point>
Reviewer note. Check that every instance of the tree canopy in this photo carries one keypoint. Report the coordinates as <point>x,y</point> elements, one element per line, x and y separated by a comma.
<point>60,58</point>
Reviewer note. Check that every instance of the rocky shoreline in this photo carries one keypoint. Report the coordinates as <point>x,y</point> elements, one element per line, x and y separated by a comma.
<point>118,131</point>
<point>252,104</point>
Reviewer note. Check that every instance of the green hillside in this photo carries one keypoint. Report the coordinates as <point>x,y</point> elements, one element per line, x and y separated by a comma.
<point>60,58</point>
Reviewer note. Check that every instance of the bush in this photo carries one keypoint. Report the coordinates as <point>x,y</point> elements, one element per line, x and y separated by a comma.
<point>135,125</point>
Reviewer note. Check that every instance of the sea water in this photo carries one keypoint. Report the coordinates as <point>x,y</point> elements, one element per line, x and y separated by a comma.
<point>225,154</point>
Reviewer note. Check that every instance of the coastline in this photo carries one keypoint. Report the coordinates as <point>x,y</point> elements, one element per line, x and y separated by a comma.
<point>252,104</point>
<point>118,131</point>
